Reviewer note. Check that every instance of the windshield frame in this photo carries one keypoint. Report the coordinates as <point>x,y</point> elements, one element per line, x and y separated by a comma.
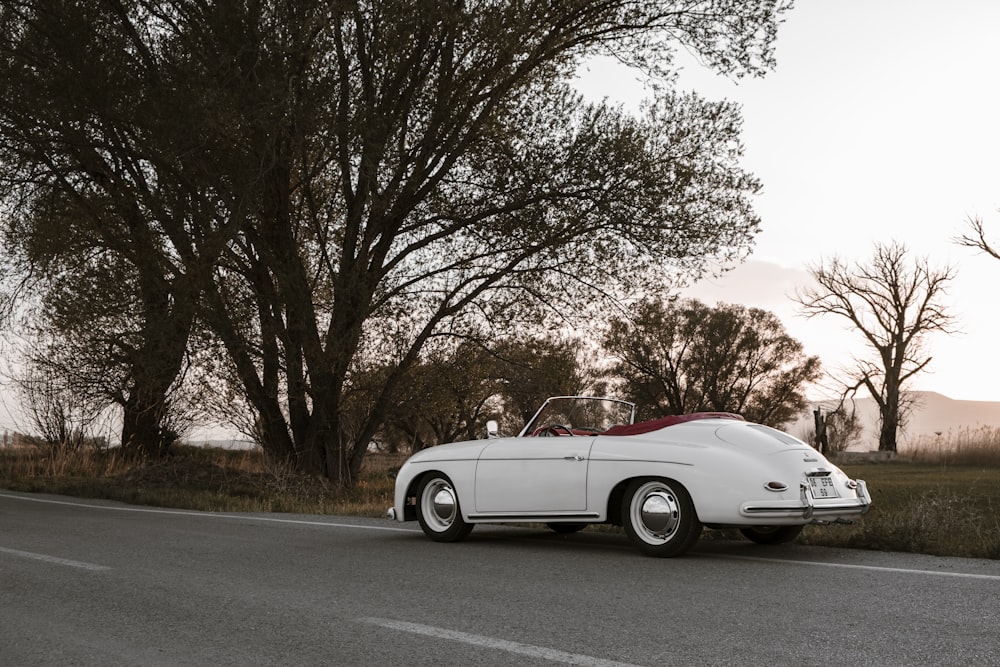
<point>540,416</point>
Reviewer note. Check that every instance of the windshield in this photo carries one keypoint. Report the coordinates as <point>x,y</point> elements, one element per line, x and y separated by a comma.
<point>579,415</point>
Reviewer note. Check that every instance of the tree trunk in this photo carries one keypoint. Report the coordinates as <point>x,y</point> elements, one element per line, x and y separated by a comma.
<point>155,366</point>
<point>143,435</point>
<point>887,435</point>
<point>890,417</point>
<point>144,431</point>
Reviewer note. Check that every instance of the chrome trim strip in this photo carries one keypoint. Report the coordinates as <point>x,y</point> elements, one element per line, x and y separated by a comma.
<point>806,511</point>
<point>534,517</point>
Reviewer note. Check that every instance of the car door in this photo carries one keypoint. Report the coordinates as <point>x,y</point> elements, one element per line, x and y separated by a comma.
<point>533,475</point>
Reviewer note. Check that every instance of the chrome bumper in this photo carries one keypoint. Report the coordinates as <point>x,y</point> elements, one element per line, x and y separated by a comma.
<point>807,508</point>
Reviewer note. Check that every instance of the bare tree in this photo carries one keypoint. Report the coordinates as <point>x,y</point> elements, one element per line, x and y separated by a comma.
<point>62,418</point>
<point>894,303</point>
<point>59,423</point>
<point>842,427</point>
<point>977,239</point>
<point>834,430</point>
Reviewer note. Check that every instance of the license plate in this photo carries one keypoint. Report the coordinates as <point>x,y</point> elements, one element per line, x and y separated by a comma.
<point>823,487</point>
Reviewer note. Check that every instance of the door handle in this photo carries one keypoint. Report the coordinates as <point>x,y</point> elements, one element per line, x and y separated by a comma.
<point>573,458</point>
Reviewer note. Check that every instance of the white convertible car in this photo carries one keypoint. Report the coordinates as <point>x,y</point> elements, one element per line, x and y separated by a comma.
<point>582,460</point>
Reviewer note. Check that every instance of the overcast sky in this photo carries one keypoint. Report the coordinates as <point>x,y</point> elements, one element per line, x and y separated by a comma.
<point>878,124</point>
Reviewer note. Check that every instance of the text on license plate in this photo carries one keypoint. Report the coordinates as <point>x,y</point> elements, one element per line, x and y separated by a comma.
<point>823,487</point>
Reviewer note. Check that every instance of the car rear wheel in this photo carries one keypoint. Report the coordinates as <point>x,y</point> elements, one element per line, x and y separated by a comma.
<point>438,511</point>
<point>566,527</point>
<point>771,534</point>
<point>659,517</point>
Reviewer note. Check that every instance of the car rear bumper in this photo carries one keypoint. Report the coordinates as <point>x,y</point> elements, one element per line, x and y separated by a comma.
<point>807,507</point>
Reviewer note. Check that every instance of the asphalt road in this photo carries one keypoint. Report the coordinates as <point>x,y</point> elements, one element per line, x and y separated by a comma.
<point>89,582</point>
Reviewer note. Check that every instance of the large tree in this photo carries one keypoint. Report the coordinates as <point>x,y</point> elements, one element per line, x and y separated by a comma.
<point>683,356</point>
<point>344,181</point>
<point>453,171</point>
<point>894,302</point>
<point>124,176</point>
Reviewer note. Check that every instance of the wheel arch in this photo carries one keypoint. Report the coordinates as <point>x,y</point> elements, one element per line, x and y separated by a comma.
<point>617,495</point>
<point>410,495</point>
<point>461,473</point>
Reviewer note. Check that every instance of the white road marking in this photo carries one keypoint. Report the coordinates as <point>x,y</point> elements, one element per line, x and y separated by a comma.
<point>210,515</point>
<point>849,566</point>
<point>54,560</point>
<point>493,643</point>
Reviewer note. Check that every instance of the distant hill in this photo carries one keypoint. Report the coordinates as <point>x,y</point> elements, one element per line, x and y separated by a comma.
<point>933,414</point>
<point>937,413</point>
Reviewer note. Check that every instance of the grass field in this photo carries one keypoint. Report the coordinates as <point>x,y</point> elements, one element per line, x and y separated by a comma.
<point>940,498</point>
<point>944,510</point>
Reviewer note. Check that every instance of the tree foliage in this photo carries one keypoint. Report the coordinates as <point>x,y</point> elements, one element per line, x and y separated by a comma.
<point>452,391</point>
<point>119,162</point>
<point>684,356</point>
<point>328,186</point>
<point>894,302</point>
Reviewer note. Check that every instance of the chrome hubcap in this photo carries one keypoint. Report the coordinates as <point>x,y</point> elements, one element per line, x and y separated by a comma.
<point>656,513</point>
<point>439,505</point>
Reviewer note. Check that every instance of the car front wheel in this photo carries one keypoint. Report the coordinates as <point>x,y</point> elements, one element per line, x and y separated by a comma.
<point>438,511</point>
<point>659,517</point>
<point>771,534</point>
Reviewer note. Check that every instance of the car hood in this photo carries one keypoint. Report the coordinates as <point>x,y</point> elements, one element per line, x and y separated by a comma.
<point>455,451</point>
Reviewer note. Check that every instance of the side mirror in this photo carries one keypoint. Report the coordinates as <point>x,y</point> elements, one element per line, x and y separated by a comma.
<point>492,429</point>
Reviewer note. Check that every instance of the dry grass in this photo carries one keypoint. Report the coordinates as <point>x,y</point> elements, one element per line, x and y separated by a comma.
<point>966,447</point>
<point>197,478</point>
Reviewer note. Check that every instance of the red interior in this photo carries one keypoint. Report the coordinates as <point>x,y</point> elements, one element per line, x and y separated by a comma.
<point>663,422</point>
